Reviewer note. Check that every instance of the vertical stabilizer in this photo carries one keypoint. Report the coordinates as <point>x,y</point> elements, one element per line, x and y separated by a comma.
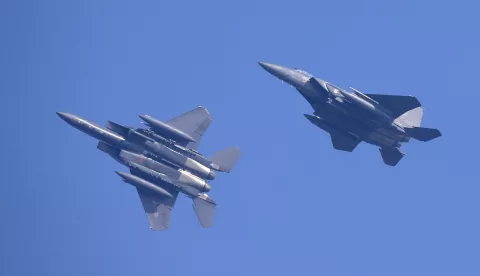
<point>411,118</point>
<point>205,209</point>
<point>391,156</point>
<point>226,159</point>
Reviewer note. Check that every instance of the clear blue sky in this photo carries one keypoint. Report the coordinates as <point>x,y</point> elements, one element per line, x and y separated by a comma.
<point>293,205</point>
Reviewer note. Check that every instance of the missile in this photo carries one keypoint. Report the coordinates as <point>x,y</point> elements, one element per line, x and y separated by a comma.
<point>180,160</point>
<point>320,123</point>
<point>143,184</point>
<point>369,107</point>
<point>365,97</point>
<point>165,129</point>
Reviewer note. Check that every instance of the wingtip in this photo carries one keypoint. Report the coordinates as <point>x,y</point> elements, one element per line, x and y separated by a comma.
<point>204,109</point>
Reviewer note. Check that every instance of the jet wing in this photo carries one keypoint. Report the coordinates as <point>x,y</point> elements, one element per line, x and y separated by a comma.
<point>344,142</point>
<point>158,209</point>
<point>193,123</point>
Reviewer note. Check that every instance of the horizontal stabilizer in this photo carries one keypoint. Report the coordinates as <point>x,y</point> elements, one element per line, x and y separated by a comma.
<point>422,133</point>
<point>122,130</point>
<point>397,104</point>
<point>391,156</point>
<point>226,159</point>
<point>205,209</point>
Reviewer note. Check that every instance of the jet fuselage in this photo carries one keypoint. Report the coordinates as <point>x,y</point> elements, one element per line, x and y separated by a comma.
<point>99,133</point>
<point>160,171</point>
<point>350,113</point>
<point>142,145</point>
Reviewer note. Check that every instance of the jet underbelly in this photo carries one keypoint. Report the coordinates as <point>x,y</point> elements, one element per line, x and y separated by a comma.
<point>379,138</point>
<point>340,120</point>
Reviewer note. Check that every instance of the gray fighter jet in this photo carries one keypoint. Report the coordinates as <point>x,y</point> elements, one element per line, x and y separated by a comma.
<point>160,171</point>
<point>351,117</point>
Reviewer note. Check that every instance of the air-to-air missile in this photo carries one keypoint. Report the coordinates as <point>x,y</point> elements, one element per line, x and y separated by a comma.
<point>164,129</point>
<point>351,117</point>
<point>160,171</point>
<point>143,184</point>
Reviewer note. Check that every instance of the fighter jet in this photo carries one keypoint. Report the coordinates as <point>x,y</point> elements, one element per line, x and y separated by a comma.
<point>386,121</point>
<point>160,173</point>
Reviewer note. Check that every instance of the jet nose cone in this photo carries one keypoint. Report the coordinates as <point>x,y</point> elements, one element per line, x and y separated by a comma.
<point>62,115</point>
<point>278,71</point>
<point>268,67</point>
<point>67,117</point>
<point>263,64</point>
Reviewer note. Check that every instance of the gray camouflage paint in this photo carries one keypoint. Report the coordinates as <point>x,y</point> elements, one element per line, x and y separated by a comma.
<point>159,172</point>
<point>354,117</point>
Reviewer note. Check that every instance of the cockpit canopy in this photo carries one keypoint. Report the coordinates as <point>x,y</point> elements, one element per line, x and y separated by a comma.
<point>303,72</point>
